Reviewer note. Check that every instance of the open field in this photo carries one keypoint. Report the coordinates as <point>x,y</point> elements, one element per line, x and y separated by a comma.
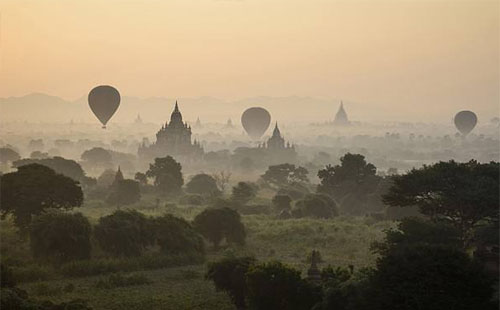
<point>342,241</point>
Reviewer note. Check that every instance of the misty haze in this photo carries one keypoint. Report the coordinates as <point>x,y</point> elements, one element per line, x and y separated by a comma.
<point>249,154</point>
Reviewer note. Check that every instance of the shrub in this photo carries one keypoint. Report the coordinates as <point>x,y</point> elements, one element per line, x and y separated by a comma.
<point>32,273</point>
<point>215,224</point>
<point>86,268</point>
<point>282,202</point>
<point>316,205</point>
<point>244,192</point>
<point>124,233</point>
<point>60,236</point>
<point>202,184</point>
<point>196,200</point>
<point>229,274</point>
<point>124,192</point>
<point>254,209</point>
<point>275,286</point>
<point>175,235</point>
<point>119,280</point>
<point>6,277</point>
<point>432,277</point>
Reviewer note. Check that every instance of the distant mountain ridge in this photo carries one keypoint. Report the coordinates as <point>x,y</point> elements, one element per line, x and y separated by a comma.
<point>37,107</point>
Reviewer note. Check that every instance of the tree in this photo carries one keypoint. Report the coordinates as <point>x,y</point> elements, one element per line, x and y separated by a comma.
<point>167,175</point>
<point>8,155</point>
<point>124,233</point>
<point>229,274</point>
<point>244,192</point>
<point>285,174</point>
<point>413,230</point>
<point>60,237</point>
<point>429,277</point>
<point>97,156</point>
<point>222,179</point>
<point>176,236</point>
<point>217,224</point>
<point>34,188</point>
<point>282,202</point>
<point>463,193</point>
<point>39,155</point>
<point>316,205</point>
<point>202,184</point>
<point>275,286</point>
<point>141,178</point>
<point>353,167</point>
<point>67,167</point>
<point>124,192</point>
<point>353,183</point>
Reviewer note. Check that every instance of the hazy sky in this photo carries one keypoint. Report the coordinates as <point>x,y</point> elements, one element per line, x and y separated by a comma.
<point>397,55</point>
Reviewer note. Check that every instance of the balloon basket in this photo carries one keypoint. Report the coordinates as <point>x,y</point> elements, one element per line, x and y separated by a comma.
<point>103,127</point>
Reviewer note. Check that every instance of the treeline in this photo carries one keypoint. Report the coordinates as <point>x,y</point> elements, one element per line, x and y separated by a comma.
<point>422,265</point>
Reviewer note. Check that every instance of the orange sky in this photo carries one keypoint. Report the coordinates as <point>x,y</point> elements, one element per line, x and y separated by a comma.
<point>402,55</point>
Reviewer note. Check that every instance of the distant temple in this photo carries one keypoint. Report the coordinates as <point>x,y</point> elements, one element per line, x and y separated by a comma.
<point>198,123</point>
<point>277,147</point>
<point>341,118</point>
<point>229,123</point>
<point>138,119</point>
<point>173,139</point>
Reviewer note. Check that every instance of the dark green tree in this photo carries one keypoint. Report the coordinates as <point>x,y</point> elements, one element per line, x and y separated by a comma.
<point>413,230</point>
<point>34,188</point>
<point>243,192</point>
<point>97,156</point>
<point>60,237</point>
<point>202,184</point>
<point>124,192</point>
<point>463,193</point>
<point>67,167</point>
<point>229,275</point>
<point>124,233</point>
<point>282,202</point>
<point>141,178</point>
<point>431,277</point>
<point>275,286</point>
<point>353,183</point>
<point>176,236</point>
<point>167,175</point>
<point>315,205</point>
<point>285,174</point>
<point>216,224</point>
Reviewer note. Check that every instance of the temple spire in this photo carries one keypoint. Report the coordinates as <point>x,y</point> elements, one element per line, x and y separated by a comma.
<point>276,131</point>
<point>176,109</point>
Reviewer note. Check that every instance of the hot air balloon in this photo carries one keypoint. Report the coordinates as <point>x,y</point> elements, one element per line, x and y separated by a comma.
<point>465,121</point>
<point>255,120</point>
<point>104,100</point>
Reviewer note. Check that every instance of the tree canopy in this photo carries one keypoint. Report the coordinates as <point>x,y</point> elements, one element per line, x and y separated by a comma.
<point>97,156</point>
<point>462,193</point>
<point>67,167</point>
<point>285,174</point>
<point>202,184</point>
<point>353,183</point>
<point>34,188</point>
<point>243,192</point>
<point>167,175</point>
<point>217,224</point>
<point>60,236</point>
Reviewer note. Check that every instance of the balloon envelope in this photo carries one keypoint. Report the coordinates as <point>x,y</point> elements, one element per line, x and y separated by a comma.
<point>255,120</point>
<point>104,101</point>
<point>465,121</point>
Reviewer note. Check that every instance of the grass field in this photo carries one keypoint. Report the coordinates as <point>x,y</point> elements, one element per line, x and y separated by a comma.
<point>341,241</point>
